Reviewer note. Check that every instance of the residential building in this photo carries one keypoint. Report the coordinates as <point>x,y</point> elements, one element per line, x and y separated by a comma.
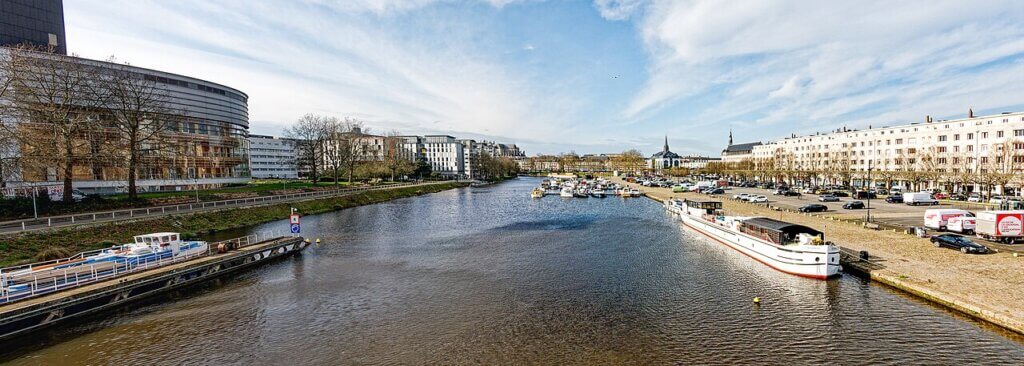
<point>35,22</point>
<point>958,154</point>
<point>471,151</point>
<point>445,155</point>
<point>273,157</point>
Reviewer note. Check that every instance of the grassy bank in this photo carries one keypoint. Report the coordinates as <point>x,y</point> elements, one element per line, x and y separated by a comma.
<point>26,247</point>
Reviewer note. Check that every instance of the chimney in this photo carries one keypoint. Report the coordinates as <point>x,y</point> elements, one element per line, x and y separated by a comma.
<point>970,112</point>
<point>927,119</point>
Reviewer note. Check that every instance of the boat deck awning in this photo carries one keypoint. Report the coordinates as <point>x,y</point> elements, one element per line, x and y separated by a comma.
<point>781,226</point>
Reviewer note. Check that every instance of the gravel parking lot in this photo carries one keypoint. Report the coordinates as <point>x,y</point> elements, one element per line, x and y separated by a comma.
<point>897,214</point>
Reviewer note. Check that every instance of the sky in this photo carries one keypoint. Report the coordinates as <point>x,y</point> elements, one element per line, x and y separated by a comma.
<point>596,76</point>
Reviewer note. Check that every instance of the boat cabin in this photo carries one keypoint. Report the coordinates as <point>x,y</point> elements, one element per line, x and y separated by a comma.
<point>780,232</point>
<point>709,207</point>
<point>162,241</point>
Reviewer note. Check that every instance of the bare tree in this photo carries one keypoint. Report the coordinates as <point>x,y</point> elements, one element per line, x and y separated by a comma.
<point>55,100</point>
<point>310,134</point>
<point>397,158</point>
<point>141,115</point>
<point>344,146</point>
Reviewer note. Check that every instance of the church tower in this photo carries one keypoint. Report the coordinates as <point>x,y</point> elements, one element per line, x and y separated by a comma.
<point>665,148</point>
<point>730,137</point>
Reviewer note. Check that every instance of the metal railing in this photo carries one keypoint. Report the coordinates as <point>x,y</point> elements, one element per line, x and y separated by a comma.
<point>14,286</point>
<point>106,216</point>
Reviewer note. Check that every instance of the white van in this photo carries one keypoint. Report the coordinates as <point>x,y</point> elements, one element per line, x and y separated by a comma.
<point>919,198</point>
<point>962,224</point>
<point>938,218</point>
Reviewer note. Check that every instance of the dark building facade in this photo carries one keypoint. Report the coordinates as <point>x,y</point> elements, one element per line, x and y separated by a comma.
<point>38,22</point>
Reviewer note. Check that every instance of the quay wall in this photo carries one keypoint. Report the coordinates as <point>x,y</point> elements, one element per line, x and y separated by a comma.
<point>989,288</point>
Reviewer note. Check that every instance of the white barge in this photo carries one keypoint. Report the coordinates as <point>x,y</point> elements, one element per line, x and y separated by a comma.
<point>787,247</point>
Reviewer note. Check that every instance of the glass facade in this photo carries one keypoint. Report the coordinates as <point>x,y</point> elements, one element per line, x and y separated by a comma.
<point>38,22</point>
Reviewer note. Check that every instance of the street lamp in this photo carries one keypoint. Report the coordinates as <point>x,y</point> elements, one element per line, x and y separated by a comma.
<point>870,184</point>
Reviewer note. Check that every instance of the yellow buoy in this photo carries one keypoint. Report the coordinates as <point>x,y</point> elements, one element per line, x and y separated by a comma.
<point>757,300</point>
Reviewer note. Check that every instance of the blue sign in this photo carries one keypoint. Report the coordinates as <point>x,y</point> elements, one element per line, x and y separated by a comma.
<point>295,228</point>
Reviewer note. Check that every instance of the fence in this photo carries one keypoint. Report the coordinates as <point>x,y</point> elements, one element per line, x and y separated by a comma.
<point>22,282</point>
<point>92,217</point>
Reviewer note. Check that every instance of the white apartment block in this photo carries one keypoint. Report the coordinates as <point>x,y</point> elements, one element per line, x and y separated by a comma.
<point>950,149</point>
<point>470,154</point>
<point>445,155</point>
<point>272,157</point>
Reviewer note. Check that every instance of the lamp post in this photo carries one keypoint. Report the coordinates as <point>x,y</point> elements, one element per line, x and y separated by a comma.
<point>870,184</point>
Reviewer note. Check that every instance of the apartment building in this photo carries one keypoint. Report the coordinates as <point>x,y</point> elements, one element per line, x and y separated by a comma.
<point>273,157</point>
<point>955,154</point>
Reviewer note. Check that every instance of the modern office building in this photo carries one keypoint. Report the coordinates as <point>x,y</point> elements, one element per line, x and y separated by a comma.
<point>273,157</point>
<point>205,143</point>
<point>36,22</point>
<point>445,155</point>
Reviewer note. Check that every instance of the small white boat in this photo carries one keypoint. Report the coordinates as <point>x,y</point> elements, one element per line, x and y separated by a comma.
<point>537,193</point>
<point>598,193</point>
<point>566,192</point>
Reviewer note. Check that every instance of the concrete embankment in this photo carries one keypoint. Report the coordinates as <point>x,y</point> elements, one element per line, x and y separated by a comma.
<point>986,287</point>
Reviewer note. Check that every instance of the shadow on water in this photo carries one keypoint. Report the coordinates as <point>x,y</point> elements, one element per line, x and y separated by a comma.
<point>581,222</point>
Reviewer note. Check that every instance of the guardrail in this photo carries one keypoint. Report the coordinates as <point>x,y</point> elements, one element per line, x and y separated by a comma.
<point>14,287</point>
<point>92,217</point>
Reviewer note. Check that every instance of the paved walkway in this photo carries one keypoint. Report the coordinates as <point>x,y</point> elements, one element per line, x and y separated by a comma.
<point>990,287</point>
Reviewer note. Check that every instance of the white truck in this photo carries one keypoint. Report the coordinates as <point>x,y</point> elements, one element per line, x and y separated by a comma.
<point>938,218</point>
<point>962,224</point>
<point>1001,226</point>
<point>919,198</point>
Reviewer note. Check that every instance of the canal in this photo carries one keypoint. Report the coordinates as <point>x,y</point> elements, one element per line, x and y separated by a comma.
<point>490,276</point>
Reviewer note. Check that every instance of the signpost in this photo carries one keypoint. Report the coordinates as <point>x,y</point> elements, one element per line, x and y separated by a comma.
<point>294,220</point>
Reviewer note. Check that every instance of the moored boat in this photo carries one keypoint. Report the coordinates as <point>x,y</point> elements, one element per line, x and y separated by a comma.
<point>787,247</point>
<point>566,192</point>
<point>537,193</point>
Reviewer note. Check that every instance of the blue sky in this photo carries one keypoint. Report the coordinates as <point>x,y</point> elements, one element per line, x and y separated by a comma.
<point>601,76</point>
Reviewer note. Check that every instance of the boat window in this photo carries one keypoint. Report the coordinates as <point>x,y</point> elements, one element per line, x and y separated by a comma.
<point>164,239</point>
<point>174,237</point>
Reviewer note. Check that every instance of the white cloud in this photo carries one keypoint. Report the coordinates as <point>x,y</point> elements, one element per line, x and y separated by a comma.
<point>809,63</point>
<point>528,47</point>
<point>618,9</point>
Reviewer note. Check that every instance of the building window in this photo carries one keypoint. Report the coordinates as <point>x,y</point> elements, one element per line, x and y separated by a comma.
<point>999,134</point>
<point>942,138</point>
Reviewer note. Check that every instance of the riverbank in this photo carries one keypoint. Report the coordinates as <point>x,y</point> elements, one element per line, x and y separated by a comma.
<point>986,287</point>
<point>22,248</point>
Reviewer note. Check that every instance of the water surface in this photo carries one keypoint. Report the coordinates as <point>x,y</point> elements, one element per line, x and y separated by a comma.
<point>489,275</point>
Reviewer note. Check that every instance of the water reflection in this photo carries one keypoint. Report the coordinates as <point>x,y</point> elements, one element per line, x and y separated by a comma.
<point>492,276</point>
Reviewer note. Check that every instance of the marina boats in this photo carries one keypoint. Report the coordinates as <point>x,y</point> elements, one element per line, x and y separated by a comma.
<point>787,247</point>
<point>566,192</point>
<point>537,193</point>
<point>597,193</point>
<point>581,192</point>
<point>147,251</point>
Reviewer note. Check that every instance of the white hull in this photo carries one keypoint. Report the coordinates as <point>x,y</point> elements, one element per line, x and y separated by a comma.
<point>813,261</point>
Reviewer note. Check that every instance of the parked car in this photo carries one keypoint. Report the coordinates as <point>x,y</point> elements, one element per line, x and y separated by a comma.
<point>864,195</point>
<point>758,199</point>
<point>974,197</point>
<point>882,191</point>
<point>996,200</point>
<point>814,207</point>
<point>958,197</point>
<point>741,196</point>
<point>809,190</point>
<point>853,205</point>
<point>839,193</point>
<point>940,196</point>
<point>717,191</point>
<point>828,198</point>
<point>958,242</point>
<point>791,193</point>
<point>894,199</point>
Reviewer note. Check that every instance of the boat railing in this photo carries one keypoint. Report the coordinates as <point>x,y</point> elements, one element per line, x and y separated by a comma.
<point>19,287</point>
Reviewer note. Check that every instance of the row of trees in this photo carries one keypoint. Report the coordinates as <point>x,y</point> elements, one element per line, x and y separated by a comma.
<point>627,161</point>
<point>331,146</point>
<point>1002,166</point>
<point>60,112</point>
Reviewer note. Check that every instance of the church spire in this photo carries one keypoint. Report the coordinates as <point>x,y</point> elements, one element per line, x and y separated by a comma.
<point>730,137</point>
<point>665,149</point>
